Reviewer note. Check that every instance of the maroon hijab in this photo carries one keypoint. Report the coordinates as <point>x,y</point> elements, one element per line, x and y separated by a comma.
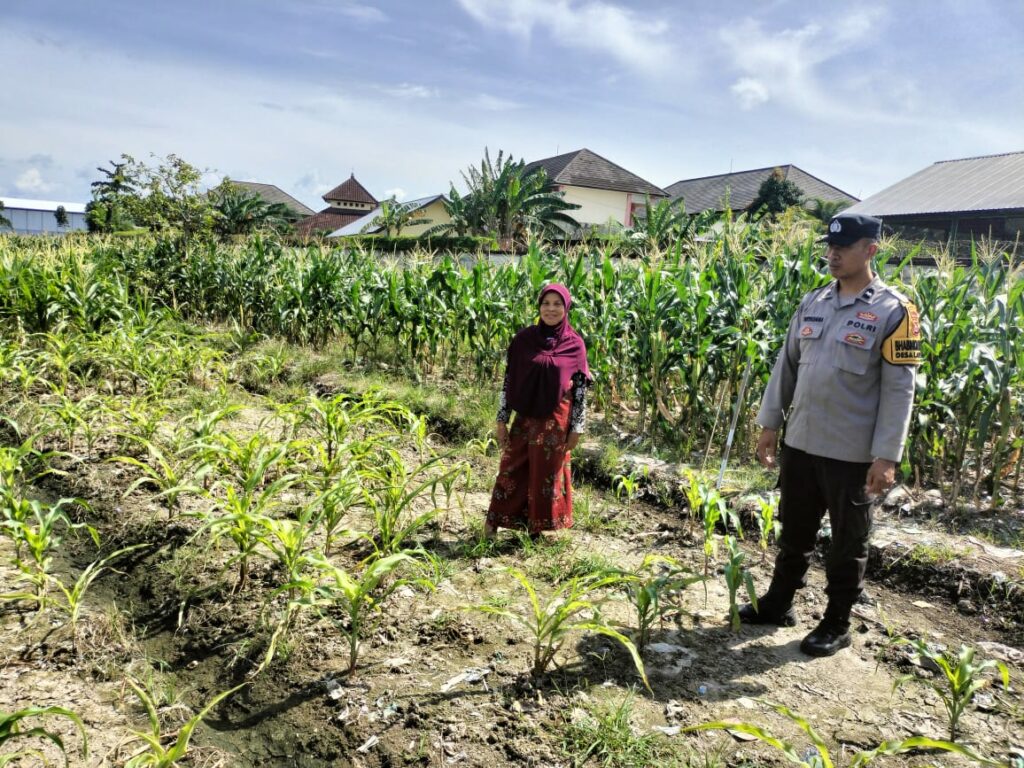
<point>542,360</point>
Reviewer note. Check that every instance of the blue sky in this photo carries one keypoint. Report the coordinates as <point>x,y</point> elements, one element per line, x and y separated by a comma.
<point>300,93</point>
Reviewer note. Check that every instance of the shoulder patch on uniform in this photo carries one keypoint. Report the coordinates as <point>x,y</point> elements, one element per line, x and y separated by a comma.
<point>903,346</point>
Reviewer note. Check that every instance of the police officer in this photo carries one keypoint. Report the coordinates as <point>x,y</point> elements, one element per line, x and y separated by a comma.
<point>846,376</point>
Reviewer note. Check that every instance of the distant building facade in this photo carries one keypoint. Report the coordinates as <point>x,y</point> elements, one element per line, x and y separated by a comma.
<point>605,192</point>
<point>955,201</point>
<point>430,208</point>
<point>738,190</point>
<point>39,217</point>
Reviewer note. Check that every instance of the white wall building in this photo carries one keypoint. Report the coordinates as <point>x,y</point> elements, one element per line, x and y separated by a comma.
<point>38,217</point>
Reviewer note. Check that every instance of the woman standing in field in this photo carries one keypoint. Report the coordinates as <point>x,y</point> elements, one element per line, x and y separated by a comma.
<point>545,384</point>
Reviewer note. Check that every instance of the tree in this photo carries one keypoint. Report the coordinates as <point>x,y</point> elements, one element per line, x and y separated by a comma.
<point>394,217</point>
<point>506,203</point>
<point>5,223</point>
<point>111,197</point>
<point>171,198</point>
<point>237,211</point>
<point>825,210</point>
<point>61,215</point>
<point>775,195</point>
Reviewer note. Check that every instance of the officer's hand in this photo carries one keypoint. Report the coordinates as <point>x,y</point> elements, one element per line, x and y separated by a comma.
<point>881,476</point>
<point>501,434</point>
<point>766,447</point>
<point>572,441</point>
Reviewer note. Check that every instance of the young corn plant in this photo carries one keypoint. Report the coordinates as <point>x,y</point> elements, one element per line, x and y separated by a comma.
<point>13,728</point>
<point>352,600</point>
<point>646,588</point>
<point>395,489</point>
<point>164,470</point>
<point>818,756</point>
<point>706,503</point>
<point>961,677</point>
<point>737,576</point>
<point>74,594</point>
<point>37,529</point>
<point>572,607</point>
<point>153,753</point>
<point>768,524</point>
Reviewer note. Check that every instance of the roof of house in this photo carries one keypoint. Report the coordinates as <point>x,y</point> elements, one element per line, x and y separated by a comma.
<point>327,220</point>
<point>584,168</point>
<point>988,183</point>
<point>273,194</point>
<point>22,203</point>
<point>356,227</point>
<point>350,191</point>
<point>740,189</point>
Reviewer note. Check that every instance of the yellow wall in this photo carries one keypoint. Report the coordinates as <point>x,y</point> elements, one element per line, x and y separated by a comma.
<point>435,212</point>
<point>597,205</point>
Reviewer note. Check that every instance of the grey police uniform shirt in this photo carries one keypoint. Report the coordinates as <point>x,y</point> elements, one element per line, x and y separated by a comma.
<point>847,402</point>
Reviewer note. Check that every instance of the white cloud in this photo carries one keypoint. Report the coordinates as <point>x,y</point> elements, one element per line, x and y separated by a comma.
<point>411,91</point>
<point>31,182</point>
<point>634,39</point>
<point>790,60</point>
<point>397,192</point>
<point>750,91</point>
<point>365,13</point>
<point>490,103</point>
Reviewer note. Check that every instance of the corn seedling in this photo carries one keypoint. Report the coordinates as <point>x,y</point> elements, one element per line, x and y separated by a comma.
<point>572,607</point>
<point>395,489</point>
<point>13,728</point>
<point>818,755</point>
<point>351,600</point>
<point>153,753</point>
<point>768,525</point>
<point>961,677</point>
<point>165,471</point>
<point>736,577</point>
<point>646,588</point>
<point>74,595</point>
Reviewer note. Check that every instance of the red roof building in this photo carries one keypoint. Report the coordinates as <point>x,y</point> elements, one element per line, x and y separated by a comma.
<point>347,202</point>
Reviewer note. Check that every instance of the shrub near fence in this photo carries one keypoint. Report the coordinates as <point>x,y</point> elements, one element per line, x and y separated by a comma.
<point>669,340</point>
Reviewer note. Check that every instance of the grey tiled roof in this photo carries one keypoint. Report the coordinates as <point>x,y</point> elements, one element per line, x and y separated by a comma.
<point>584,168</point>
<point>274,194</point>
<point>350,191</point>
<point>740,188</point>
<point>990,183</point>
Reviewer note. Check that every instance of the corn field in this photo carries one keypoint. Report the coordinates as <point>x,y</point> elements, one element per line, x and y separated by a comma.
<point>669,337</point>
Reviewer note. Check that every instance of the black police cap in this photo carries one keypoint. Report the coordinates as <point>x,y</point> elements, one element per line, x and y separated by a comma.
<point>848,228</point>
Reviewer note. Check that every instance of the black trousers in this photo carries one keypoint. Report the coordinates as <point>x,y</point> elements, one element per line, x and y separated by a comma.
<point>810,485</point>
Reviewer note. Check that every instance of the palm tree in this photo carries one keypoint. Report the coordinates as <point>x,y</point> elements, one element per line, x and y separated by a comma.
<point>240,212</point>
<point>395,216</point>
<point>509,204</point>
<point>825,210</point>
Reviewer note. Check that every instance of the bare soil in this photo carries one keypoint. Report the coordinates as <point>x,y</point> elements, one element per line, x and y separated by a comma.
<point>439,685</point>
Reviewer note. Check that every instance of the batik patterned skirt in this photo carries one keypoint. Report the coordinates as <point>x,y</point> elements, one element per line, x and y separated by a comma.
<point>534,485</point>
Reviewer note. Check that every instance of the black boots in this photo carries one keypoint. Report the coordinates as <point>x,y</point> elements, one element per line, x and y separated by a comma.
<point>770,610</point>
<point>831,635</point>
